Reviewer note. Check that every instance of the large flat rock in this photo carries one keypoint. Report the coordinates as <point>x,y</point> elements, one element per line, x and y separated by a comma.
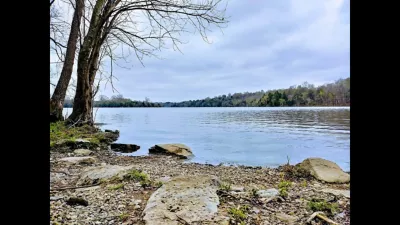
<point>179,150</point>
<point>325,170</point>
<point>188,198</point>
<point>79,160</point>
<point>96,174</point>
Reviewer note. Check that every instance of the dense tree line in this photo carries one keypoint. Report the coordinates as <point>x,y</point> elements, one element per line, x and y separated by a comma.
<point>116,101</point>
<point>333,94</point>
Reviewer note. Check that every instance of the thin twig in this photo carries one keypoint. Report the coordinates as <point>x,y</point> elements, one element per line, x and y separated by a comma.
<point>321,216</point>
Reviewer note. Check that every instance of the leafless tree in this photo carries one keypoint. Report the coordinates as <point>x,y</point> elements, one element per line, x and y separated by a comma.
<point>116,22</point>
<point>57,99</point>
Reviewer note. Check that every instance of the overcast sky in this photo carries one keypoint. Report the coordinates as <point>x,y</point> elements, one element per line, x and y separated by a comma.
<point>268,44</point>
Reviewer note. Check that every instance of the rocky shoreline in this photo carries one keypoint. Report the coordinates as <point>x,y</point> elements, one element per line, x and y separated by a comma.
<point>90,184</point>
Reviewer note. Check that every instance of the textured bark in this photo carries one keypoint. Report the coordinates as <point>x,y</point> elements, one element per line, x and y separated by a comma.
<point>82,108</point>
<point>57,100</point>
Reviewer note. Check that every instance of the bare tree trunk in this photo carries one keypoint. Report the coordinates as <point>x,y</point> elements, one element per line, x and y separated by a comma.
<point>82,108</point>
<point>57,100</point>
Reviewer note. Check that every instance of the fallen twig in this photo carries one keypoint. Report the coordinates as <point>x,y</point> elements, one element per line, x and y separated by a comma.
<point>66,188</point>
<point>321,216</point>
<point>312,217</point>
<point>327,219</point>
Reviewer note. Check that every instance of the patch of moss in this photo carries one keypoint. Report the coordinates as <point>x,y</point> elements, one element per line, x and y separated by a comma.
<point>60,132</point>
<point>322,205</point>
<point>116,187</point>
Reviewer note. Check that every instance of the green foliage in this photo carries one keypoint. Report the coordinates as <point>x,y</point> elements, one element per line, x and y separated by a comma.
<point>61,132</point>
<point>283,187</point>
<point>322,205</point>
<point>136,175</point>
<point>239,214</point>
<point>225,187</point>
<point>116,187</point>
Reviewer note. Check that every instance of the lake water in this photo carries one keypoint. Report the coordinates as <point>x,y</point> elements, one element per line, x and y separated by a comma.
<point>245,136</point>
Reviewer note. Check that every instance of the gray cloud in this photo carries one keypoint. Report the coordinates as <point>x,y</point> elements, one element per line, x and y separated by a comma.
<point>267,45</point>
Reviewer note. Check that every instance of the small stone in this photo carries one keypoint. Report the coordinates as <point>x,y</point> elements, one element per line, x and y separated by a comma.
<point>340,215</point>
<point>120,206</point>
<point>286,218</point>
<point>267,193</point>
<point>55,198</point>
<point>82,152</point>
<point>255,210</point>
<point>137,202</point>
<point>237,189</point>
<point>137,207</point>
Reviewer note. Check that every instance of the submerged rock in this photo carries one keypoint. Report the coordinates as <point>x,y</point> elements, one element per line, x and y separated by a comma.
<point>96,174</point>
<point>188,198</point>
<point>124,148</point>
<point>325,170</point>
<point>179,150</point>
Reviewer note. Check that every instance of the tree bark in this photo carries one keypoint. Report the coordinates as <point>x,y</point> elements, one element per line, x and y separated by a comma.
<point>82,107</point>
<point>57,100</point>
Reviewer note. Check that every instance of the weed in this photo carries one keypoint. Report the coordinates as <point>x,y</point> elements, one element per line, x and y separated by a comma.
<point>238,214</point>
<point>283,188</point>
<point>225,186</point>
<point>159,184</point>
<point>136,175</point>
<point>322,205</point>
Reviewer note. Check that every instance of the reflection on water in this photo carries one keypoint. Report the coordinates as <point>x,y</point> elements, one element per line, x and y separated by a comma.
<point>249,136</point>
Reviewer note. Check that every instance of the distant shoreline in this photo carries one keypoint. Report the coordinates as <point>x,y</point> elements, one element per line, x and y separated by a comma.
<point>314,106</point>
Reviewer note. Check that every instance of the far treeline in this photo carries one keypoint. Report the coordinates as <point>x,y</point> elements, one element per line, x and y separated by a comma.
<point>116,101</point>
<point>333,94</point>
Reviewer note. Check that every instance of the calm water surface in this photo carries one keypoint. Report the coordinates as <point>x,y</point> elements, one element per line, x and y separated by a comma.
<point>246,136</point>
